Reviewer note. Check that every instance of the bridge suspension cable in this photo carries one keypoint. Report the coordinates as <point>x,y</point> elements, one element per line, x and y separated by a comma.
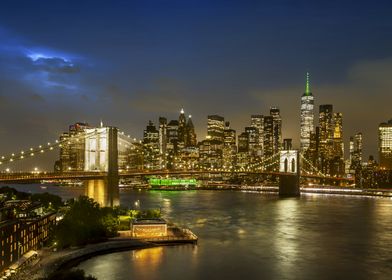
<point>49,146</point>
<point>312,166</point>
<point>261,164</point>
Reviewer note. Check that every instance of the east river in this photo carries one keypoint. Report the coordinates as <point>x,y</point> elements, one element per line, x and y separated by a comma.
<point>246,235</point>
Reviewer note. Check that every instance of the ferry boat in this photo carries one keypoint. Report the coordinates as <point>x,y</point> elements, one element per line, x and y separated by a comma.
<point>172,184</point>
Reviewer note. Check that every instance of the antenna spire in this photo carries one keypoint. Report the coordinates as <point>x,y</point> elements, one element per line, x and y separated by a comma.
<point>307,86</point>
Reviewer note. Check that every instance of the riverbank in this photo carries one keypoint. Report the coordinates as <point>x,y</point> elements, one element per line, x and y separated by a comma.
<point>306,190</point>
<point>50,261</point>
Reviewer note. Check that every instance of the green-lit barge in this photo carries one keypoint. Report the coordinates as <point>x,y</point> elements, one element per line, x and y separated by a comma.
<point>172,184</point>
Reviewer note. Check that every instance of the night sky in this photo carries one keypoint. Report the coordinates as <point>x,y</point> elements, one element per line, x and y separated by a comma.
<point>127,62</point>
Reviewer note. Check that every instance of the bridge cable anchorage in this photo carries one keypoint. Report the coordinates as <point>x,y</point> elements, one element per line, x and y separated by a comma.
<point>50,146</point>
<point>312,166</point>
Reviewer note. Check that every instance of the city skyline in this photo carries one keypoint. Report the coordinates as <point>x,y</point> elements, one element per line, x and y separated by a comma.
<point>152,67</point>
<point>133,131</point>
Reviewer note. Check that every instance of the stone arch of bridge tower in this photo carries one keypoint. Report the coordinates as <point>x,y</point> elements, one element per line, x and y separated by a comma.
<point>288,161</point>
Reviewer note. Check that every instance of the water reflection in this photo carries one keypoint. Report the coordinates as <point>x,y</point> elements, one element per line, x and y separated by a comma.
<point>105,192</point>
<point>287,235</point>
<point>147,258</point>
<point>256,236</point>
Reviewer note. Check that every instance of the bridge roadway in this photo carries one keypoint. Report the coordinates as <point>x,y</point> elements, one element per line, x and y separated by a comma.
<point>36,177</point>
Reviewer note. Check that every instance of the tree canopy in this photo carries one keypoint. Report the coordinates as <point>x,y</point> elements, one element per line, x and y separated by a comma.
<point>85,222</point>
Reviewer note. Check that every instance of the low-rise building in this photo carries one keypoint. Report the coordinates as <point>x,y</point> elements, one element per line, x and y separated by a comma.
<point>147,228</point>
<point>23,227</point>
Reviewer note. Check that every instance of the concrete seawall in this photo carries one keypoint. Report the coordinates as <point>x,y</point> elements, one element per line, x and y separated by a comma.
<point>68,258</point>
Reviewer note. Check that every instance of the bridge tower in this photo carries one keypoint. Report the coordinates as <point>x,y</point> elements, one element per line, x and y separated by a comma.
<point>289,166</point>
<point>101,155</point>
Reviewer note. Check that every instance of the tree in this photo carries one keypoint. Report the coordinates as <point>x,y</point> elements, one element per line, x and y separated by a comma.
<point>85,222</point>
<point>49,201</point>
<point>10,193</point>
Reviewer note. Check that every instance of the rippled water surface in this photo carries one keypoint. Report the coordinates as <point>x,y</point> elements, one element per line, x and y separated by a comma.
<point>259,236</point>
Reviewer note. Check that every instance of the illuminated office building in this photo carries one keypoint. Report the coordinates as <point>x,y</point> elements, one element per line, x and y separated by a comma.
<point>215,127</point>
<point>72,148</point>
<point>356,151</point>
<point>151,147</point>
<point>326,126</point>
<point>338,135</point>
<point>162,135</point>
<point>276,129</point>
<point>242,158</point>
<point>253,141</point>
<point>172,136</point>
<point>287,144</point>
<point>210,154</point>
<point>337,166</point>
<point>268,136</point>
<point>307,116</point>
<point>326,131</point>
<point>211,149</point>
<point>385,144</point>
<point>229,147</point>
<point>257,121</point>
<point>191,139</point>
<point>182,133</point>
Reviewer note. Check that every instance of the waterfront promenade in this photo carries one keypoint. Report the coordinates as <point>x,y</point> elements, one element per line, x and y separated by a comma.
<point>50,260</point>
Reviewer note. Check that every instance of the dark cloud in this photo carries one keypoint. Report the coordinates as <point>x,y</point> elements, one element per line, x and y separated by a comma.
<point>55,65</point>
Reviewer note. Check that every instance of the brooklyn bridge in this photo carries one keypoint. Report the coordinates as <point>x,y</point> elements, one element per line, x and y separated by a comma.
<point>103,147</point>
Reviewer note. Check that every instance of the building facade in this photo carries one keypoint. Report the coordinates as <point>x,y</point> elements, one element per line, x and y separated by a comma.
<point>151,147</point>
<point>385,144</point>
<point>20,235</point>
<point>72,144</point>
<point>307,116</point>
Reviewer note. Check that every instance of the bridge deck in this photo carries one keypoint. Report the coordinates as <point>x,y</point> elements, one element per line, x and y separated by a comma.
<point>27,177</point>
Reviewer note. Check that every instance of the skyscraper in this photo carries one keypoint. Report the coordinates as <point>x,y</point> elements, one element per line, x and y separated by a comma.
<point>72,150</point>
<point>268,136</point>
<point>276,129</point>
<point>162,140</point>
<point>307,116</point>
<point>356,151</point>
<point>337,154</point>
<point>338,135</point>
<point>253,140</point>
<point>326,131</point>
<point>385,144</point>
<point>325,122</point>
<point>257,121</point>
<point>242,158</point>
<point>215,127</point>
<point>172,136</point>
<point>211,149</point>
<point>151,147</point>
<point>190,133</point>
<point>229,147</point>
<point>182,127</point>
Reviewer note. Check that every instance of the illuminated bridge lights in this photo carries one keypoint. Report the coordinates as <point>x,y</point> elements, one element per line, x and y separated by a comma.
<point>49,146</point>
